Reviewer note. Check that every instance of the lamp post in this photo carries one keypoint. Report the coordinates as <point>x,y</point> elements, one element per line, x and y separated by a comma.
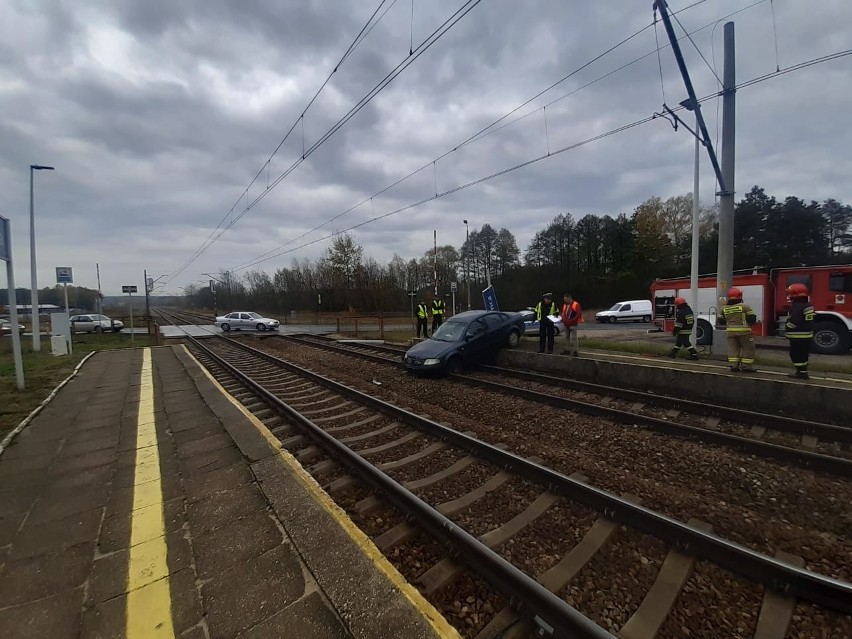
<point>213,290</point>
<point>34,294</point>
<point>467,262</point>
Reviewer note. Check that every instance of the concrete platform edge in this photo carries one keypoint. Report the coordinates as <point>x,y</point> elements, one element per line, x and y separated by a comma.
<point>304,510</point>
<point>10,436</point>
<point>740,389</point>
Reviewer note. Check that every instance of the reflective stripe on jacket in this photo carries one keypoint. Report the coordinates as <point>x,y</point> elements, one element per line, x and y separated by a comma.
<point>572,314</point>
<point>800,323</point>
<point>422,310</point>
<point>684,320</point>
<point>437,307</point>
<point>538,307</point>
<point>738,318</point>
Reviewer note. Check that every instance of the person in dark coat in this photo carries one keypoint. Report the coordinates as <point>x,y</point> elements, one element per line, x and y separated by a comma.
<point>546,329</point>
<point>684,324</point>
<point>800,329</point>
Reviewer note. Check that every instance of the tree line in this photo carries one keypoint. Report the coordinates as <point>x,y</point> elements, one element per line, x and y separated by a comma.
<point>600,259</point>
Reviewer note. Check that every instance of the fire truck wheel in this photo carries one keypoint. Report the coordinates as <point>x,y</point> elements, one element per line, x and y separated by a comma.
<point>830,339</point>
<point>703,333</point>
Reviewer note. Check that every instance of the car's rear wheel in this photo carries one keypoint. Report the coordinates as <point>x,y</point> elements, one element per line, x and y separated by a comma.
<point>98,329</point>
<point>646,319</point>
<point>455,365</point>
<point>514,339</point>
<point>226,327</point>
<point>261,327</point>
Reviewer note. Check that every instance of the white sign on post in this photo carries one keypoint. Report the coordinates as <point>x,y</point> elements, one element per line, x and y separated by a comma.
<point>64,275</point>
<point>130,290</point>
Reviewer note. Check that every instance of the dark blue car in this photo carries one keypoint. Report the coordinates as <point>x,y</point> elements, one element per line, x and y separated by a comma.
<point>465,339</point>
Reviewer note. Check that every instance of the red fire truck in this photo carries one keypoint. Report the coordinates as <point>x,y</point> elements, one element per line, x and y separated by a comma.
<point>831,296</point>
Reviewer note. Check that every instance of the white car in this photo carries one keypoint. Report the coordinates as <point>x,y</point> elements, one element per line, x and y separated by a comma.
<point>531,323</point>
<point>95,324</point>
<point>6,327</point>
<point>239,320</point>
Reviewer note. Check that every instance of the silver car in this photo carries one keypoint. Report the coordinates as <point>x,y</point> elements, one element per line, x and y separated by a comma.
<point>239,320</point>
<point>531,326</point>
<point>6,327</point>
<point>95,323</point>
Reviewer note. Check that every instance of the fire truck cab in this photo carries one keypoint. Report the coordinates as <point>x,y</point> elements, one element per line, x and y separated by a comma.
<point>831,296</point>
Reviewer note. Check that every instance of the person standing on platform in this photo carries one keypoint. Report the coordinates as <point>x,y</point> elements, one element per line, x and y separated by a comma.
<point>800,329</point>
<point>546,329</point>
<point>739,318</point>
<point>572,316</point>
<point>438,308</point>
<point>422,319</point>
<point>684,323</point>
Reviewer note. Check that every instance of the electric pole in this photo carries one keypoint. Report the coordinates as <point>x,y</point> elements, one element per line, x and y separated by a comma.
<point>725,263</point>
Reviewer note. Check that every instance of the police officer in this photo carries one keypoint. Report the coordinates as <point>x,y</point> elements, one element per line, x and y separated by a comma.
<point>438,308</point>
<point>422,321</point>
<point>739,318</point>
<point>800,329</point>
<point>684,323</point>
<point>546,330</point>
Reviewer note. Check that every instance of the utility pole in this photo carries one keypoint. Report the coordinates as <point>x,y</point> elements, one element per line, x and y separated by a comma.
<point>725,263</point>
<point>147,298</point>
<point>693,267</point>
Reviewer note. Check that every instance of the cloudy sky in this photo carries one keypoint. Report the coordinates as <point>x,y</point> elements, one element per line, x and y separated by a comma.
<point>158,115</point>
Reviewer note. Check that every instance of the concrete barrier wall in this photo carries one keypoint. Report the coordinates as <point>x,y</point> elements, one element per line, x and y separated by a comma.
<point>791,398</point>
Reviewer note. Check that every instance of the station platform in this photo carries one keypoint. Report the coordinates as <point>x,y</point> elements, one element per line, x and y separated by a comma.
<point>143,502</point>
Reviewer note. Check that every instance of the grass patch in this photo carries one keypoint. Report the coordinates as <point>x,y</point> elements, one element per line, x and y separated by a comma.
<point>43,371</point>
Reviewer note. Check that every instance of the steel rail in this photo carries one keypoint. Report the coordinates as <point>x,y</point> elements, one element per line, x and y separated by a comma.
<point>809,460</point>
<point>755,566</point>
<point>782,423</point>
<point>565,620</point>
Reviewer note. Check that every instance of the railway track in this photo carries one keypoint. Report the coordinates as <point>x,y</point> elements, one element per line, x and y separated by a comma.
<point>807,444</point>
<point>340,433</point>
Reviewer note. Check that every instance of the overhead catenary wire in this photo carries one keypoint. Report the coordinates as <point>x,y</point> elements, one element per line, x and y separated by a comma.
<point>362,34</point>
<point>424,46</point>
<point>492,128</point>
<point>535,160</point>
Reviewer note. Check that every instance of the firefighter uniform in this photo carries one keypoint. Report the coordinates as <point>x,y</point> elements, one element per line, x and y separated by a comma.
<point>422,319</point>
<point>739,318</point>
<point>684,324</point>
<point>437,313</point>
<point>546,329</point>
<point>800,329</point>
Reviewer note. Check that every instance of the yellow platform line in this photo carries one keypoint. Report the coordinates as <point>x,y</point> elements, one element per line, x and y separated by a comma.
<point>149,601</point>
<point>435,619</point>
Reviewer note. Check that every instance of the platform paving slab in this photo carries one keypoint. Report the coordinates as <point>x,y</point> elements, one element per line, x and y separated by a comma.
<point>65,525</point>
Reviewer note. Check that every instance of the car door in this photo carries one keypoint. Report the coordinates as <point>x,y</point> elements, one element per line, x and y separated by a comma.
<point>495,335</point>
<point>625,312</point>
<point>475,339</point>
<point>84,324</point>
<point>246,321</point>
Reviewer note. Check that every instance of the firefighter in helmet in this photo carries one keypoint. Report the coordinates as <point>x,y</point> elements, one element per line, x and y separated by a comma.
<point>800,329</point>
<point>684,323</point>
<point>739,318</point>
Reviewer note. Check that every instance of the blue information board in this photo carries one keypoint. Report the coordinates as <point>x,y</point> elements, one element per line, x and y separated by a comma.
<point>489,299</point>
<point>64,275</point>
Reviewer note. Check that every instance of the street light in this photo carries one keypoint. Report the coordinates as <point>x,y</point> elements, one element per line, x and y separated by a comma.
<point>467,262</point>
<point>34,294</point>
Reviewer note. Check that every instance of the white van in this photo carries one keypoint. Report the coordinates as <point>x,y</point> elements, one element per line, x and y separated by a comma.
<point>634,310</point>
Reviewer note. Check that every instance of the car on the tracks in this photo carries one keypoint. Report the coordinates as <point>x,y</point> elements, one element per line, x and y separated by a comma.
<point>531,326</point>
<point>6,327</point>
<point>464,340</point>
<point>239,320</point>
<point>95,323</point>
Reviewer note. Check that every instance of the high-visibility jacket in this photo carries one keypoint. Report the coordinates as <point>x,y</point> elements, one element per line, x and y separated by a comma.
<point>684,320</point>
<point>538,309</point>
<point>572,314</point>
<point>800,323</point>
<point>738,317</point>
<point>437,307</point>
<point>422,310</point>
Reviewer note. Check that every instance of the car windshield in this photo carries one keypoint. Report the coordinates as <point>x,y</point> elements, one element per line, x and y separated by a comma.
<point>255,316</point>
<point>103,317</point>
<point>450,332</point>
<point>615,307</point>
